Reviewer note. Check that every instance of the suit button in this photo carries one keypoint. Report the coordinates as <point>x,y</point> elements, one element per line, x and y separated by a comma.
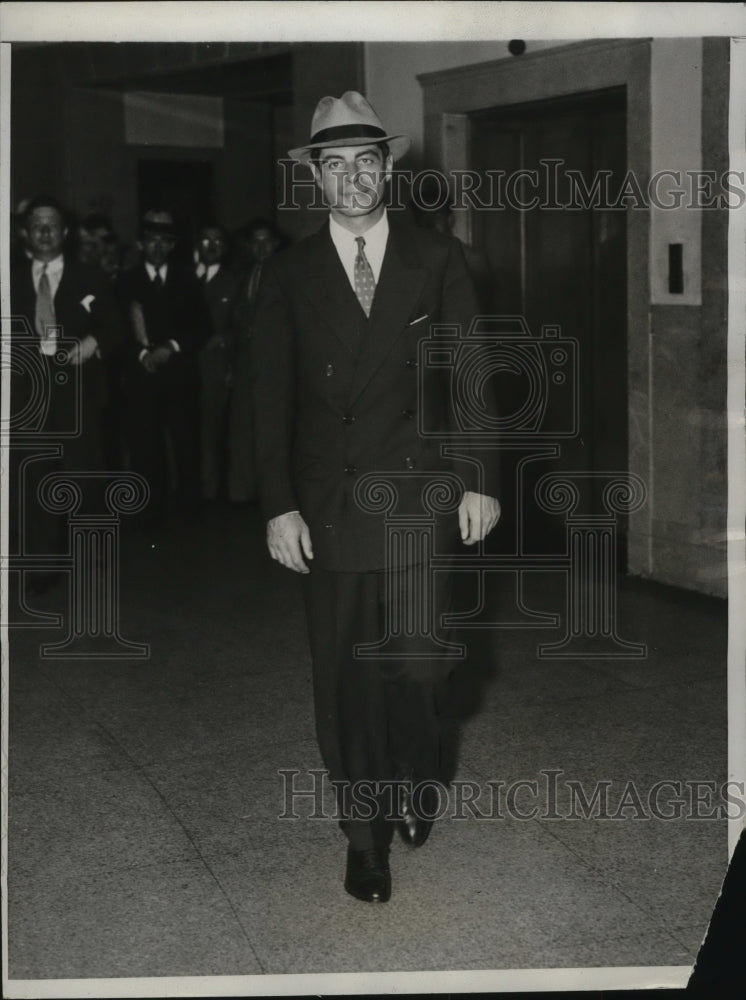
<point>407,414</point>
<point>350,470</point>
<point>409,463</point>
<point>329,370</point>
<point>411,362</point>
<point>348,418</point>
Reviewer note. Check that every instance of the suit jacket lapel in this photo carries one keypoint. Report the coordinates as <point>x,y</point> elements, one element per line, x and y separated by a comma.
<point>64,293</point>
<point>328,289</point>
<point>400,285</point>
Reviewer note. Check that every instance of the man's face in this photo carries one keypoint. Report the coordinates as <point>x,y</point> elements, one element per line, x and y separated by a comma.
<point>157,247</point>
<point>45,233</point>
<point>352,178</point>
<point>211,247</point>
<point>91,244</point>
<point>262,244</point>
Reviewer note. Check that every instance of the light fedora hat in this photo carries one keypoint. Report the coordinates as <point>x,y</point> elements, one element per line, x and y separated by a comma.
<point>347,121</point>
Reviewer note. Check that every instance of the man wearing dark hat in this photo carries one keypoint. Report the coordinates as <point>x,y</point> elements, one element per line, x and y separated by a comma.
<point>169,323</point>
<point>336,392</point>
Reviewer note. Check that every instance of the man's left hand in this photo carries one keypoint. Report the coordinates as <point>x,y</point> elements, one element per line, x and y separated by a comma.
<point>477,516</point>
<point>84,349</point>
<point>160,355</point>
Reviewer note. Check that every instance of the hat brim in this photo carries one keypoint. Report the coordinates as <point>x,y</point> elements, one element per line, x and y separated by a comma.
<point>398,146</point>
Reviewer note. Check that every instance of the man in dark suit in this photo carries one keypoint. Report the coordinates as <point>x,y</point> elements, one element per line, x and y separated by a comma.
<point>220,288</point>
<point>65,324</point>
<point>258,241</point>
<point>335,351</point>
<point>169,323</point>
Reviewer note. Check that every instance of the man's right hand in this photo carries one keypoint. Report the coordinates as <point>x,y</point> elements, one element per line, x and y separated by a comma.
<point>288,540</point>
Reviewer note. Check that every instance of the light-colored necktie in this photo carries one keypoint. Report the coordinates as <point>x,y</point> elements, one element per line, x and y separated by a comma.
<point>365,283</point>
<point>45,319</point>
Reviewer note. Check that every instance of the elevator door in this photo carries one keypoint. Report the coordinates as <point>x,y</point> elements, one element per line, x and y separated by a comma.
<point>561,266</point>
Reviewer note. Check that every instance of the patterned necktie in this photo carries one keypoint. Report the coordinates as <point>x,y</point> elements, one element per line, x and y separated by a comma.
<point>365,283</point>
<point>45,317</point>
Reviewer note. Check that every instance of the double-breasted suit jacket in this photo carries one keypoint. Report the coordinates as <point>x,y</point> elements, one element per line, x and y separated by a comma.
<point>336,394</point>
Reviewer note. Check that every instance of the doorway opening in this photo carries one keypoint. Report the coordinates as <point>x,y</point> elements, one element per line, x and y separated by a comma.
<point>186,189</point>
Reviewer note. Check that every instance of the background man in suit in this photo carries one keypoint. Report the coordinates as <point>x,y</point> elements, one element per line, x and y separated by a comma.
<point>220,288</point>
<point>335,353</point>
<point>61,300</point>
<point>257,242</point>
<point>169,323</point>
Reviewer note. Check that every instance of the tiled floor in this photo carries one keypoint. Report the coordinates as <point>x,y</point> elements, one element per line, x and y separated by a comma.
<point>144,795</point>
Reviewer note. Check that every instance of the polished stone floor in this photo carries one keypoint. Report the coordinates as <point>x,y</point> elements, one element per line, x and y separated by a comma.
<point>144,837</point>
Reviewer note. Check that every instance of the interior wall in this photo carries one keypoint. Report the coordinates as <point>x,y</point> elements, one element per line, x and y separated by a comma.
<point>391,70</point>
<point>69,141</point>
<point>38,128</point>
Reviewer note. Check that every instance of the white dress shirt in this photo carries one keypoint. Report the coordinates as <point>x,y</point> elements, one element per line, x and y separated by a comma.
<point>162,271</point>
<point>375,246</point>
<point>54,273</point>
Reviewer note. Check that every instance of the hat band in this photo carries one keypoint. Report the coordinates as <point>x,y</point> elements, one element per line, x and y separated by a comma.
<point>347,132</point>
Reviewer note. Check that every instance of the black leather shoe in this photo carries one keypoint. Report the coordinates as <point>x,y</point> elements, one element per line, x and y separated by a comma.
<point>419,804</point>
<point>368,876</point>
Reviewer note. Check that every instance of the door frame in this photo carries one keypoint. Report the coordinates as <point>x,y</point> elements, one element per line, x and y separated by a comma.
<point>451,96</point>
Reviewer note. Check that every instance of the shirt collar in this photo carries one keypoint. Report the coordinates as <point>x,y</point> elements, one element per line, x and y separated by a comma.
<point>162,270</point>
<point>375,237</point>
<point>210,270</point>
<point>53,267</point>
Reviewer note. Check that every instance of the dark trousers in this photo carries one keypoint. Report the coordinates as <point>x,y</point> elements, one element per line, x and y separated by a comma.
<point>67,441</point>
<point>376,720</point>
<point>242,483</point>
<point>160,408</point>
<point>214,399</point>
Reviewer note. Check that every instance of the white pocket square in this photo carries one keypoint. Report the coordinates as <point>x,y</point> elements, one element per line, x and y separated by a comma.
<point>419,319</point>
<point>86,302</point>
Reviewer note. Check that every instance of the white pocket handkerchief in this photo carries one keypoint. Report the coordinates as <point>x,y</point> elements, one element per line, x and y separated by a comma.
<point>86,302</point>
<point>419,319</point>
